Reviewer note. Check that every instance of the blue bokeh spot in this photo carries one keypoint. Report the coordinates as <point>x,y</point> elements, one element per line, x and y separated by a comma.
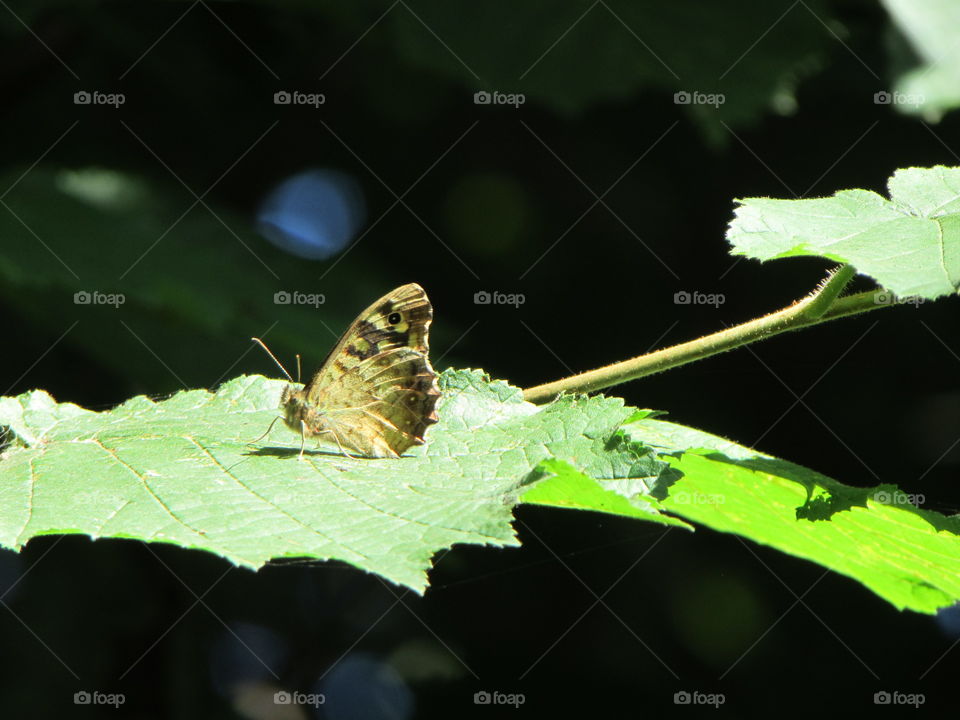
<point>313,214</point>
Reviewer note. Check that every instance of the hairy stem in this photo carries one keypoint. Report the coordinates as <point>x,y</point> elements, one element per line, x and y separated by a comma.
<point>822,305</point>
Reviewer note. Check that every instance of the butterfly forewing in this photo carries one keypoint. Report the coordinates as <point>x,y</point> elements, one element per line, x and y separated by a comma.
<point>399,319</point>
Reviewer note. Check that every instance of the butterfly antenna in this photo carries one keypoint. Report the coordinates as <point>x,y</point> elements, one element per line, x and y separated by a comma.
<point>254,442</point>
<point>259,342</point>
<point>298,368</point>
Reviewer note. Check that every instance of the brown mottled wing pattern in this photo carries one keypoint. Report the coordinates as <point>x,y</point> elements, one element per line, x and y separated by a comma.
<point>372,333</point>
<point>376,391</point>
<point>387,403</point>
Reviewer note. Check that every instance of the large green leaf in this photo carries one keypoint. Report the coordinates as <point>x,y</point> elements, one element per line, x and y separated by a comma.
<point>182,471</point>
<point>910,244</point>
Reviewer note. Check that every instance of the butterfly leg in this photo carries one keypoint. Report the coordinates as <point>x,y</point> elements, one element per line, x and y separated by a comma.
<point>303,437</point>
<point>337,438</point>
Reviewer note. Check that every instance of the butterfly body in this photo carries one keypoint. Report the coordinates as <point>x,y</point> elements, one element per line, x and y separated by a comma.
<point>376,393</point>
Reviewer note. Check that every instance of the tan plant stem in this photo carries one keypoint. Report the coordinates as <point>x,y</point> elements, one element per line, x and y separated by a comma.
<point>822,305</point>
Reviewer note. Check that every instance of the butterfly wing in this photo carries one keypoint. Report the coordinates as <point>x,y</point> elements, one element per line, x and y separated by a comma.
<point>384,405</point>
<point>376,391</point>
<point>400,318</point>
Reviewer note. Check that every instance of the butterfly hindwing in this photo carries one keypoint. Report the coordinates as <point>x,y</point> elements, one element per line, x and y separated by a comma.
<point>387,403</point>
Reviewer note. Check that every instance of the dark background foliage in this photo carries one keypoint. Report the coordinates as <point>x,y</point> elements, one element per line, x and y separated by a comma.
<point>598,199</point>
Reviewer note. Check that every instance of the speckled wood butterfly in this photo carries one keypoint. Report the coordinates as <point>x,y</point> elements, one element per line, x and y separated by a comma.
<point>376,393</point>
